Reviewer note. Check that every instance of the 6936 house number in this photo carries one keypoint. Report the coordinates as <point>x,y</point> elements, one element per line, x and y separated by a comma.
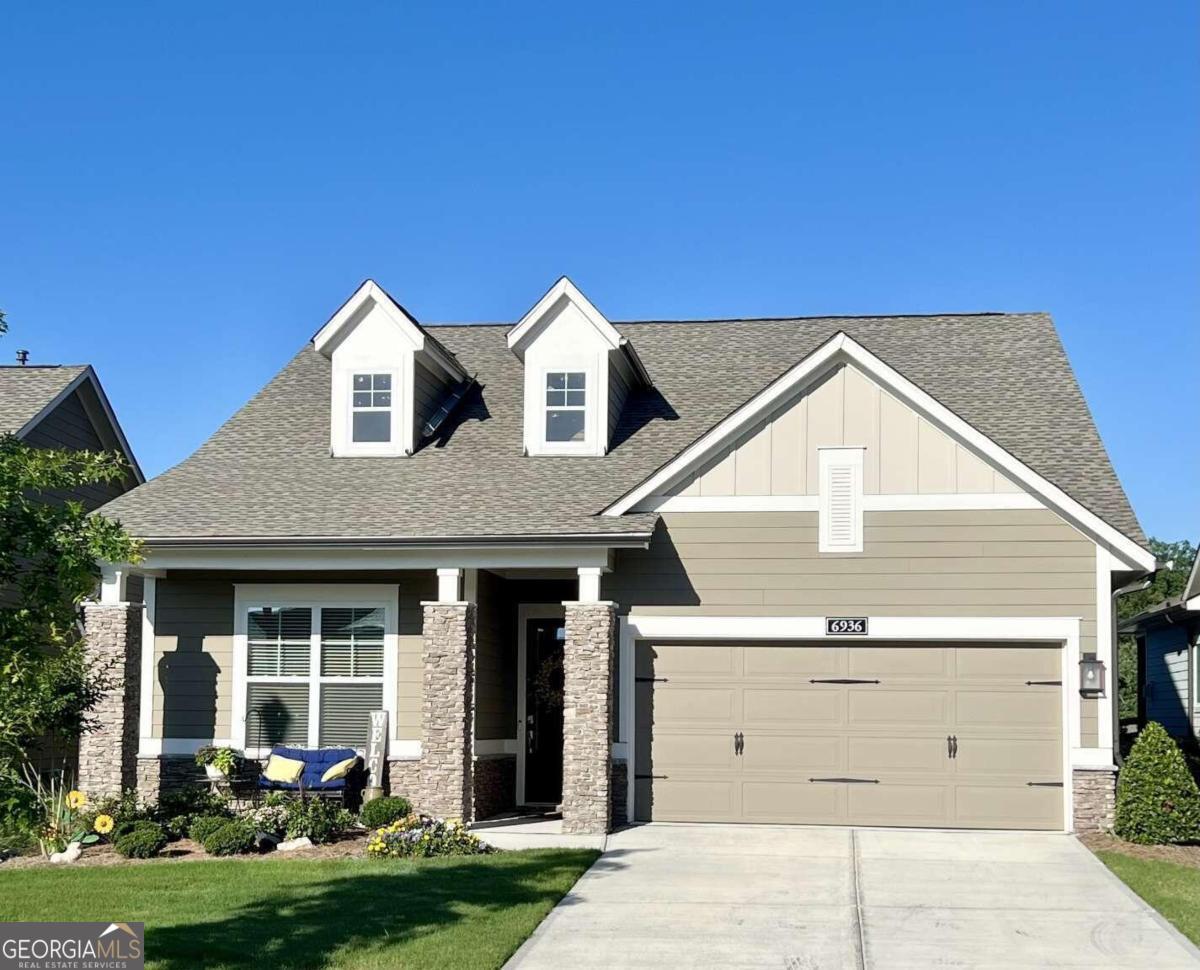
<point>846,626</point>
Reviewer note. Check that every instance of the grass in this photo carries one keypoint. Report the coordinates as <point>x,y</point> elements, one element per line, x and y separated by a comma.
<point>1172,889</point>
<point>456,912</point>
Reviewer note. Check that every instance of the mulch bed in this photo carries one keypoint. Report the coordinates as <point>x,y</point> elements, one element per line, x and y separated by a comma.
<point>348,846</point>
<point>1184,855</point>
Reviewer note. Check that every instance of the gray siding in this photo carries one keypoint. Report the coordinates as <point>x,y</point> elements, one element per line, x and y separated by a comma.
<point>495,661</point>
<point>428,390</point>
<point>619,380</point>
<point>69,427</point>
<point>938,563</point>
<point>1168,680</point>
<point>193,648</point>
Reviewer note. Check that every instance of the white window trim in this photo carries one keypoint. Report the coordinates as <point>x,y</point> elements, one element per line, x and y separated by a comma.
<point>342,442</point>
<point>596,399</point>
<point>1061,629</point>
<point>247,596</point>
<point>829,459</point>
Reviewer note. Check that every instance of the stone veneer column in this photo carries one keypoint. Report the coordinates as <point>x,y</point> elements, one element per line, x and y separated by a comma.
<point>445,785</point>
<point>587,716</point>
<point>1095,791</point>
<point>108,752</point>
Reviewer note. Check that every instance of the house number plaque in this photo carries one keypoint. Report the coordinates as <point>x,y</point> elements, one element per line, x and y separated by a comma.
<point>846,626</point>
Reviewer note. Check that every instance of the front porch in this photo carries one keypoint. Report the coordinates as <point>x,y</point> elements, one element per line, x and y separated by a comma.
<point>499,683</point>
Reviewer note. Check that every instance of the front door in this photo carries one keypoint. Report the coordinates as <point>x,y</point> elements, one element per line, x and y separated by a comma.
<point>544,711</point>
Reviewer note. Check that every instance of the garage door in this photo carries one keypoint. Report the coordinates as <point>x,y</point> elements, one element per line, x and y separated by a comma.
<point>940,734</point>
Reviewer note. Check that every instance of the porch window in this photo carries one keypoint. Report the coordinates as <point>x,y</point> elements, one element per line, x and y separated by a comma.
<point>313,674</point>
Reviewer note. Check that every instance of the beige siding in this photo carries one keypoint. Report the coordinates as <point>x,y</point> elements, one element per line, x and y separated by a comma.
<point>193,648</point>
<point>905,454</point>
<point>938,563</point>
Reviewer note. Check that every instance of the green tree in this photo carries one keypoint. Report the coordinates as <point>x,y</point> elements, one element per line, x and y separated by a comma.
<point>1167,584</point>
<point>49,550</point>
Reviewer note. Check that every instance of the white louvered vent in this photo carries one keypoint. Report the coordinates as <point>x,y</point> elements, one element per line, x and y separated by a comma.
<point>841,505</point>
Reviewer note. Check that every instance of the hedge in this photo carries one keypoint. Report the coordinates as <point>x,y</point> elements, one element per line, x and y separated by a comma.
<point>1157,798</point>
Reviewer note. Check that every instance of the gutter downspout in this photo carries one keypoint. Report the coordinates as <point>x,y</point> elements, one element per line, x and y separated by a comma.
<point>1135,587</point>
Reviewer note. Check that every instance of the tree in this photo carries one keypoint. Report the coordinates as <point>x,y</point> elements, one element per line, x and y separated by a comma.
<point>1167,583</point>
<point>49,549</point>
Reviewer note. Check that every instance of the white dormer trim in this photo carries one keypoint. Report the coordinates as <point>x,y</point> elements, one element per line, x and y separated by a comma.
<point>839,349</point>
<point>367,296</point>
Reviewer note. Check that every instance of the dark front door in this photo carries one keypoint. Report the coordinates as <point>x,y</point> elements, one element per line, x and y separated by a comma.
<point>544,711</point>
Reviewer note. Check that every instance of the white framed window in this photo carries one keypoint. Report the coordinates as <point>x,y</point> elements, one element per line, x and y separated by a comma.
<point>370,408</point>
<point>840,499</point>
<point>566,406</point>
<point>310,669</point>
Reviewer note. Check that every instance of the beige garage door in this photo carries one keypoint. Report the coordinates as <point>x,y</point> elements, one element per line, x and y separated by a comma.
<point>961,735</point>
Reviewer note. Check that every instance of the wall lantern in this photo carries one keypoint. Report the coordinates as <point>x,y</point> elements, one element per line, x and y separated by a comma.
<point>1091,676</point>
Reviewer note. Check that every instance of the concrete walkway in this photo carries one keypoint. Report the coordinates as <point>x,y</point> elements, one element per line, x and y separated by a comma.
<point>799,898</point>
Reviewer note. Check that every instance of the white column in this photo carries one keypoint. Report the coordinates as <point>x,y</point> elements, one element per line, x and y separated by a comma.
<point>148,673</point>
<point>589,583</point>
<point>449,581</point>
<point>1106,652</point>
<point>114,579</point>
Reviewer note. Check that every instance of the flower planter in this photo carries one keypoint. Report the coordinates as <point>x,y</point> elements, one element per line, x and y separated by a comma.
<point>214,773</point>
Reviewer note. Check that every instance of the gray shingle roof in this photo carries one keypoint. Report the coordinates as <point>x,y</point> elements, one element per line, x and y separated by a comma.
<point>25,391</point>
<point>267,471</point>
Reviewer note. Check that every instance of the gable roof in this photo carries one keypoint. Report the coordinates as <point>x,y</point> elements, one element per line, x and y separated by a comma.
<point>267,471</point>
<point>31,393</point>
<point>26,393</point>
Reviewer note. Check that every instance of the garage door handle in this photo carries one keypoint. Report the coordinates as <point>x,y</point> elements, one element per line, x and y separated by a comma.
<point>847,781</point>
<point>739,742</point>
<point>1043,683</point>
<point>841,680</point>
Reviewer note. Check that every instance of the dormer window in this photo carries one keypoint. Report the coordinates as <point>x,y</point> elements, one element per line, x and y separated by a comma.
<point>371,408</point>
<point>566,405</point>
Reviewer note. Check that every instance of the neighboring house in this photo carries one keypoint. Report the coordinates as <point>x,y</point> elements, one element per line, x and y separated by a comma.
<point>1168,637</point>
<point>834,570</point>
<point>61,406</point>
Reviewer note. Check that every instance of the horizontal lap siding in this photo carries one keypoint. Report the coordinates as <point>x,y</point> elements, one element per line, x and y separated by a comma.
<point>495,661</point>
<point>193,648</point>
<point>1168,699</point>
<point>1024,562</point>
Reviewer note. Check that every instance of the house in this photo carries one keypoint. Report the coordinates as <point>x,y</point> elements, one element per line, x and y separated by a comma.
<point>1168,636</point>
<point>842,570</point>
<point>65,407</point>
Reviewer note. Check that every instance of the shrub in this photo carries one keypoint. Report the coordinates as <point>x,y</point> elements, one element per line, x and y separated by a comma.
<point>317,819</point>
<point>204,825</point>
<point>143,841</point>
<point>232,838</point>
<point>420,836</point>
<point>268,818</point>
<point>192,800</point>
<point>383,811</point>
<point>1157,798</point>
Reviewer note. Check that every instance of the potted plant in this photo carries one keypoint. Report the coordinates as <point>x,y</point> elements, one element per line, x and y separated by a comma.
<point>217,762</point>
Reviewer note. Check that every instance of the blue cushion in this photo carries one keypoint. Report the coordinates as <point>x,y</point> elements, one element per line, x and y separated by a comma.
<point>317,761</point>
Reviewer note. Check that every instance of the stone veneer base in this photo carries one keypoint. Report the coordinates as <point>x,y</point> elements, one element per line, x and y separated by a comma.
<point>587,716</point>
<point>108,752</point>
<point>1095,791</point>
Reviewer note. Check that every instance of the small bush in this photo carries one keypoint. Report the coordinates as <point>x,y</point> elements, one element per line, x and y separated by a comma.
<point>203,826</point>
<point>143,841</point>
<point>272,819</point>
<point>383,811</point>
<point>1157,798</point>
<point>317,819</point>
<point>193,800</point>
<point>232,838</point>
<point>421,836</point>
<point>123,809</point>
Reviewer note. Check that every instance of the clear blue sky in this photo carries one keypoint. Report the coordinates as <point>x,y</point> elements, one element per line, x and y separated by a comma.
<point>187,192</point>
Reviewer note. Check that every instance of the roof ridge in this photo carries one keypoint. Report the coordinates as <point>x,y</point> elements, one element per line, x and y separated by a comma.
<point>773,319</point>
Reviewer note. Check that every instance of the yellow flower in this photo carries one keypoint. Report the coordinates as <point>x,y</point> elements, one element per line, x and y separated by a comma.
<point>76,799</point>
<point>104,824</point>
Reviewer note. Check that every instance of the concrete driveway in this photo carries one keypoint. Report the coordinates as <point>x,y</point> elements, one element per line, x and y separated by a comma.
<point>812,898</point>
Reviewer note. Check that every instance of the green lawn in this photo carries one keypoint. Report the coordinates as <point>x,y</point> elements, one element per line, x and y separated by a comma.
<point>1172,889</point>
<point>456,912</point>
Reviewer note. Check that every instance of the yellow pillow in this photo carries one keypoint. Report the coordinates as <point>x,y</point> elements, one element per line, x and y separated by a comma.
<point>283,770</point>
<point>340,770</point>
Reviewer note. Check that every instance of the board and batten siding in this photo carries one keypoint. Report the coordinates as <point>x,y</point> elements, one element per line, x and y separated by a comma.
<point>1025,562</point>
<point>193,648</point>
<point>905,454</point>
